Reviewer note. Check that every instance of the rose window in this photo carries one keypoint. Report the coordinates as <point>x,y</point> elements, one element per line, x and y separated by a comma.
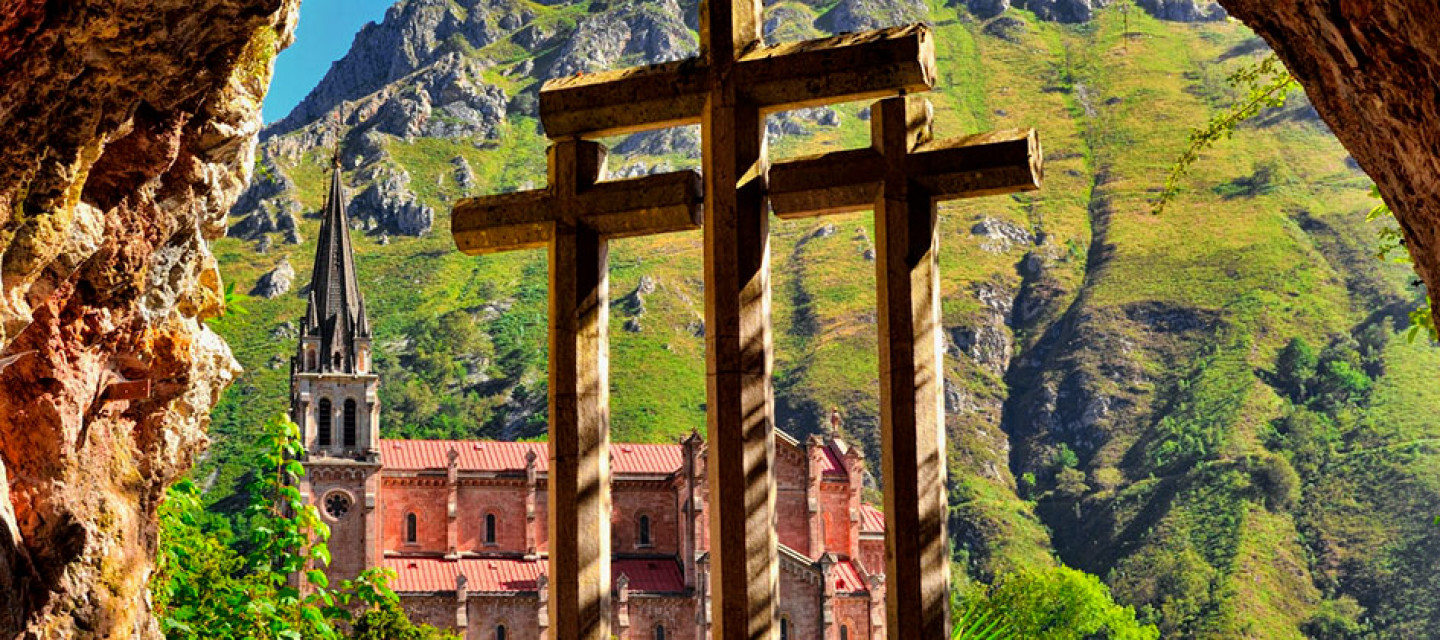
<point>337,505</point>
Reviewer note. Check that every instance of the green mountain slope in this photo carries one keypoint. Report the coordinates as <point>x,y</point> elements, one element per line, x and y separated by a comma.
<point>1114,391</point>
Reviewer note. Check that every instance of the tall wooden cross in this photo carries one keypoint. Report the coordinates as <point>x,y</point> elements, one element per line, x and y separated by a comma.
<point>901,176</point>
<point>729,89</point>
<point>575,216</point>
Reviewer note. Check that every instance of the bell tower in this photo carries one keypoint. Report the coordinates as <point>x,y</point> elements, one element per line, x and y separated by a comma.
<point>334,397</point>
<point>333,386</point>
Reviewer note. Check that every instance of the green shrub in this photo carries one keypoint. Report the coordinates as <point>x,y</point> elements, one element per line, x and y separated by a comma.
<point>1058,604</point>
<point>1295,368</point>
<point>1277,481</point>
<point>206,587</point>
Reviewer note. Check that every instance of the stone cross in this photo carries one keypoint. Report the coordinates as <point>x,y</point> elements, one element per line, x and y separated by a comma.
<point>729,89</point>
<point>901,176</point>
<point>574,217</point>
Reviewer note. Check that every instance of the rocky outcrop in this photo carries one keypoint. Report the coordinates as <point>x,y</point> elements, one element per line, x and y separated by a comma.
<point>413,35</point>
<point>678,140</point>
<point>464,175</point>
<point>854,16</point>
<point>389,204</point>
<point>128,131</point>
<point>1183,10</point>
<point>1361,66</point>
<point>998,236</point>
<point>1066,11</point>
<point>1075,11</point>
<point>650,31</point>
<point>276,282</point>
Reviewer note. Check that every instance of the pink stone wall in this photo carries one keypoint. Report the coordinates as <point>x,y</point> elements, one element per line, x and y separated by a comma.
<point>646,613</point>
<point>428,501</point>
<point>800,604</point>
<point>791,505</point>
<point>835,503</point>
<point>506,502</point>
<point>872,554</point>
<point>629,501</point>
<point>519,614</point>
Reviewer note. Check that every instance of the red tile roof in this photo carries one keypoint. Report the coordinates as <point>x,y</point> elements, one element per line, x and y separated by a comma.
<point>872,520</point>
<point>501,575</point>
<point>480,455</point>
<point>487,575</point>
<point>833,465</point>
<point>847,578</point>
<point>662,575</point>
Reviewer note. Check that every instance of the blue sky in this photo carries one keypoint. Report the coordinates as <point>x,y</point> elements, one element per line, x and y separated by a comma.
<point>324,34</point>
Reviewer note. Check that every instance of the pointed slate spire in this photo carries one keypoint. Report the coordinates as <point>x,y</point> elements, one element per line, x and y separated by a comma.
<point>336,312</point>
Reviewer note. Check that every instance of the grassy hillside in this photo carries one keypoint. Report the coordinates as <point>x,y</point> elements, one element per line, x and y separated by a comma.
<point>1111,379</point>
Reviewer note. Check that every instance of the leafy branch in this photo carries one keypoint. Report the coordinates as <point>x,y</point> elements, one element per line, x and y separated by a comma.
<point>1393,241</point>
<point>1268,85</point>
<point>205,588</point>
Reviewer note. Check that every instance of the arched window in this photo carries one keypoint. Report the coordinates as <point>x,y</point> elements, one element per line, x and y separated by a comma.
<point>310,359</point>
<point>410,528</point>
<point>659,632</point>
<point>784,628</point>
<point>322,422</point>
<point>844,632</point>
<point>489,528</point>
<point>349,432</point>
<point>500,632</point>
<point>644,535</point>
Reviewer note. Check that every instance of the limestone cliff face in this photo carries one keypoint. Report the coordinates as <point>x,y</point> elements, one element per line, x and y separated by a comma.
<point>127,129</point>
<point>1370,71</point>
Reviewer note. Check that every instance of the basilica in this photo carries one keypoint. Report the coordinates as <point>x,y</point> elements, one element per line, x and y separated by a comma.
<point>462,524</point>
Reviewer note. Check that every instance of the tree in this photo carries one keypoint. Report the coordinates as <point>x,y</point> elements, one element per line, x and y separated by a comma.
<point>1295,367</point>
<point>387,621</point>
<point>206,587</point>
<point>1070,482</point>
<point>1058,604</point>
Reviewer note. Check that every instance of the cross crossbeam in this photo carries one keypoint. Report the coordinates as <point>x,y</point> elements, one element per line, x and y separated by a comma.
<point>772,78</point>
<point>901,177</point>
<point>985,164</point>
<point>575,216</point>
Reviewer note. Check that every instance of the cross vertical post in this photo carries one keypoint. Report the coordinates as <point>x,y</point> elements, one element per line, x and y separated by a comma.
<point>574,217</point>
<point>579,491</point>
<point>901,176</point>
<point>912,416</point>
<point>738,356</point>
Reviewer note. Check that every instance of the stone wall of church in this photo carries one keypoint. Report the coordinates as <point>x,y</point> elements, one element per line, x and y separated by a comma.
<point>428,498</point>
<point>800,603</point>
<point>519,614</point>
<point>872,554</point>
<point>853,614</point>
<point>792,506</point>
<point>659,503</point>
<point>435,610</point>
<point>347,534</point>
<point>677,615</point>
<point>835,504</point>
<point>483,614</point>
<point>506,502</point>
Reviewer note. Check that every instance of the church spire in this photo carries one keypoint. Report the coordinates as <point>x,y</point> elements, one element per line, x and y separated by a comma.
<point>335,314</point>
